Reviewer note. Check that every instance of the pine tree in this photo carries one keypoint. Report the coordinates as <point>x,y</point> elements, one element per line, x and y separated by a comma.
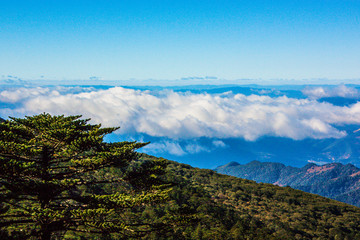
<point>57,175</point>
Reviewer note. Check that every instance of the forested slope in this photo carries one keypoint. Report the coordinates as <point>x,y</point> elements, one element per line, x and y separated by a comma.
<point>333,180</point>
<point>227,207</point>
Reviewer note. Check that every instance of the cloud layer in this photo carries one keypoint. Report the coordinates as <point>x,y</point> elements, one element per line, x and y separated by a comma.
<point>338,91</point>
<point>187,115</point>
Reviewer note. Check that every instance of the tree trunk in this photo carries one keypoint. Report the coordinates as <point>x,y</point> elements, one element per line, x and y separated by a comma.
<point>45,233</point>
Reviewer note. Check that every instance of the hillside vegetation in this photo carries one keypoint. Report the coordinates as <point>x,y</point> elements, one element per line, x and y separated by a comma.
<point>227,207</point>
<point>334,180</point>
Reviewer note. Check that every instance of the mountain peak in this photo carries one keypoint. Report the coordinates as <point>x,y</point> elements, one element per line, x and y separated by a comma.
<point>254,162</point>
<point>232,164</point>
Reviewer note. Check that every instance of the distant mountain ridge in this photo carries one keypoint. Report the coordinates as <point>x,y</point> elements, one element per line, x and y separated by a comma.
<point>333,180</point>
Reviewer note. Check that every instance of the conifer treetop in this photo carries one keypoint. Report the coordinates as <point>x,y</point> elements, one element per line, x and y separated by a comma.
<point>53,170</point>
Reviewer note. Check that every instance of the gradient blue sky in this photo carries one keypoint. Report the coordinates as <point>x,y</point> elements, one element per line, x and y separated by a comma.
<point>173,39</point>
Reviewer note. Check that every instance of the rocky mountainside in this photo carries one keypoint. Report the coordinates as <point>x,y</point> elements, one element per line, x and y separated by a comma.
<point>334,180</point>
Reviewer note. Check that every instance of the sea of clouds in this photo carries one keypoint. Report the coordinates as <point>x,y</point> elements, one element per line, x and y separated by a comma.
<point>177,115</point>
<point>325,92</point>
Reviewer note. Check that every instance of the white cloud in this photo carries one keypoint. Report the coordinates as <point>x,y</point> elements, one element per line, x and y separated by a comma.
<point>16,95</point>
<point>22,94</point>
<point>219,144</point>
<point>173,148</point>
<point>195,148</point>
<point>338,91</point>
<point>187,115</point>
<point>318,162</point>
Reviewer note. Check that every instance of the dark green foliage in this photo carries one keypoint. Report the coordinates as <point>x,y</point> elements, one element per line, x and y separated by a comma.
<point>227,207</point>
<point>58,176</point>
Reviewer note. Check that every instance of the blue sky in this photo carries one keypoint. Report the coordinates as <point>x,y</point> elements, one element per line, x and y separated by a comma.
<point>173,39</point>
